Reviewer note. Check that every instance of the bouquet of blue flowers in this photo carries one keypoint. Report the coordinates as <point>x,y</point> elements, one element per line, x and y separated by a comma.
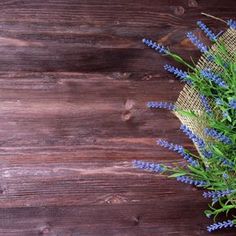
<point>206,108</point>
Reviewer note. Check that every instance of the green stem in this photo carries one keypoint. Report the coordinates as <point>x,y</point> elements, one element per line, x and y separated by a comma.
<point>180,59</point>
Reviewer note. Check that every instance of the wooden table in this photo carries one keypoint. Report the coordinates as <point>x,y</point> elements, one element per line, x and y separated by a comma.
<point>74,80</point>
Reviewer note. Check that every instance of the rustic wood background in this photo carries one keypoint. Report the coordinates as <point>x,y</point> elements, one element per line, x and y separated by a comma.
<point>74,80</point>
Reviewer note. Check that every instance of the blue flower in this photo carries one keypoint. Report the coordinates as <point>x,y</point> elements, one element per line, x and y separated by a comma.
<point>206,153</point>
<point>207,31</point>
<point>231,23</point>
<point>163,105</point>
<point>148,166</point>
<point>232,104</point>
<point>187,180</point>
<point>193,38</point>
<point>216,195</point>
<point>214,78</point>
<point>179,149</point>
<point>225,114</point>
<point>220,225</point>
<point>157,47</point>
<point>192,136</point>
<point>225,176</point>
<point>218,136</point>
<point>205,104</point>
<point>183,75</point>
<point>218,102</point>
<point>227,162</point>
<point>197,140</point>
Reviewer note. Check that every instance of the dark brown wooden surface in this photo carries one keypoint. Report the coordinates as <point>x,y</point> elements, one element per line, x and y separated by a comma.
<point>74,79</point>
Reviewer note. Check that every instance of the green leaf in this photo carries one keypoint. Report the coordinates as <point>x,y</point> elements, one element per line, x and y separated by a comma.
<point>218,151</point>
<point>177,175</point>
<point>187,113</point>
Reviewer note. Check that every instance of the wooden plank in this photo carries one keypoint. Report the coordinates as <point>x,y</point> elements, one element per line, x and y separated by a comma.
<point>96,35</point>
<point>74,82</point>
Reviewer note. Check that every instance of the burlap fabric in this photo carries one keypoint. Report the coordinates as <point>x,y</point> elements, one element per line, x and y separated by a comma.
<point>189,99</point>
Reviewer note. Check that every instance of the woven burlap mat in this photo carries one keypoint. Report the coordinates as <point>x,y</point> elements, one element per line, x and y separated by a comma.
<point>189,99</point>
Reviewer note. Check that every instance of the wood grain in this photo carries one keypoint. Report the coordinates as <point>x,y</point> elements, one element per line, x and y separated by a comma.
<point>75,78</point>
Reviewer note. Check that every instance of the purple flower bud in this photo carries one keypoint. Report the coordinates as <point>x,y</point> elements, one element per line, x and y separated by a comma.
<point>218,102</point>
<point>183,75</point>
<point>157,47</point>
<point>216,195</point>
<point>187,180</point>
<point>220,225</point>
<point>163,105</point>
<point>227,162</point>
<point>225,176</point>
<point>148,166</point>
<point>179,149</point>
<point>232,104</point>
<point>214,78</point>
<point>231,23</point>
<point>218,136</point>
<point>206,104</point>
<point>193,38</point>
<point>207,31</point>
<point>192,136</point>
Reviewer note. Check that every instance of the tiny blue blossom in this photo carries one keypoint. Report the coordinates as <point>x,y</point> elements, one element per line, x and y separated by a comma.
<point>232,104</point>
<point>206,104</point>
<point>220,225</point>
<point>225,176</point>
<point>193,38</point>
<point>231,23</point>
<point>183,75</point>
<point>218,102</point>
<point>216,195</point>
<point>192,136</point>
<point>225,114</point>
<point>206,153</point>
<point>179,149</point>
<point>188,180</point>
<point>214,78</point>
<point>218,136</point>
<point>207,31</point>
<point>157,47</point>
<point>163,105</point>
<point>197,140</point>
<point>227,162</point>
<point>148,166</point>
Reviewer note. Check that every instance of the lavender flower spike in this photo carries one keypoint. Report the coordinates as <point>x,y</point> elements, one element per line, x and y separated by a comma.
<point>187,180</point>
<point>148,166</point>
<point>218,102</point>
<point>183,75</point>
<point>232,104</point>
<point>197,140</point>
<point>214,78</point>
<point>227,162</point>
<point>192,136</point>
<point>193,38</point>
<point>215,195</point>
<point>179,149</point>
<point>206,153</point>
<point>205,104</point>
<point>207,31</point>
<point>231,23</point>
<point>220,225</point>
<point>157,47</point>
<point>218,136</point>
<point>163,105</point>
